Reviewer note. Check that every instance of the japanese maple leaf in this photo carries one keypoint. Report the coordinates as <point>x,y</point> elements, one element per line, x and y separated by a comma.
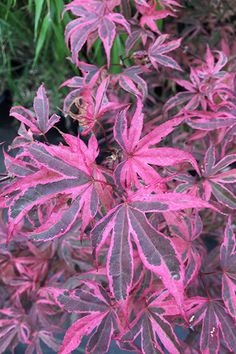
<point>131,81</point>
<point>210,68</point>
<point>214,320</point>
<point>138,154</point>
<point>206,87</point>
<point>217,180</point>
<point>38,341</point>
<point>39,123</point>
<point>203,90</point>
<point>26,279</point>
<point>81,84</point>
<point>91,106</point>
<point>44,309</point>
<point>95,18</point>
<point>128,223</point>
<point>149,15</point>
<point>196,94</point>
<point>62,170</point>
<point>92,302</point>
<point>157,52</point>
<point>137,34</point>
<point>228,264</point>
<point>150,323</point>
<point>186,230</point>
<point>13,328</point>
<point>214,179</point>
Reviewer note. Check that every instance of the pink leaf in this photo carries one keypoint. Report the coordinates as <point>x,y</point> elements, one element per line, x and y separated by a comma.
<point>40,123</point>
<point>157,50</point>
<point>228,261</point>
<point>80,328</point>
<point>96,19</point>
<point>107,33</point>
<point>137,152</point>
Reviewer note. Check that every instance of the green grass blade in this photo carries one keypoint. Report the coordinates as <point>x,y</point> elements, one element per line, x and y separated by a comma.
<point>42,36</point>
<point>159,22</point>
<point>58,5</point>
<point>38,12</point>
<point>117,52</point>
<point>98,55</point>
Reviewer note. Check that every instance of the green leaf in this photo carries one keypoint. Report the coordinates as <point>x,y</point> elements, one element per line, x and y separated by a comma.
<point>116,52</point>
<point>159,22</point>
<point>38,11</point>
<point>42,36</point>
<point>59,43</point>
<point>98,53</point>
<point>58,5</point>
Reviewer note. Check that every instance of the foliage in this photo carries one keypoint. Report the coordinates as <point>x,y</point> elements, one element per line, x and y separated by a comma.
<point>125,231</point>
<point>31,37</point>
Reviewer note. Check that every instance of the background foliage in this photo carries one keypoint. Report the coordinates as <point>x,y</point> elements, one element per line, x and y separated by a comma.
<point>32,47</point>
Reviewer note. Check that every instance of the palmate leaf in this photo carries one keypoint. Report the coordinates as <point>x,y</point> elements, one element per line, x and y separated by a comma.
<point>8,333</point>
<point>40,123</point>
<point>194,95</point>
<point>138,33</point>
<point>138,154</point>
<point>151,323</point>
<point>80,84</point>
<point>217,179</point>
<point>94,101</point>
<point>131,81</point>
<point>210,68</point>
<point>40,339</point>
<point>201,91</point>
<point>128,224</point>
<point>157,52</point>
<point>149,16</point>
<point>228,264</point>
<point>95,18</point>
<point>186,229</point>
<point>13,329</point>
<point>61,171</point>
<point>214,321</point>
<point>41,186</point>
<point>93,303</point>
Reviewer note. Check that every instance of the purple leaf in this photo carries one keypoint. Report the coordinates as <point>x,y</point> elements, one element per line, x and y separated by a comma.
<point>157,50</point>
<point>228,263</point>
<point>40,123</point>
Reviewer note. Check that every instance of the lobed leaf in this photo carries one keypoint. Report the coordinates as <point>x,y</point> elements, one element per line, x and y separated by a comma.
<point>228,263</point>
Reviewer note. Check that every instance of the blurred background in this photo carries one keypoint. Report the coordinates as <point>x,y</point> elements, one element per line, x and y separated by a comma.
<point>32,49</point>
